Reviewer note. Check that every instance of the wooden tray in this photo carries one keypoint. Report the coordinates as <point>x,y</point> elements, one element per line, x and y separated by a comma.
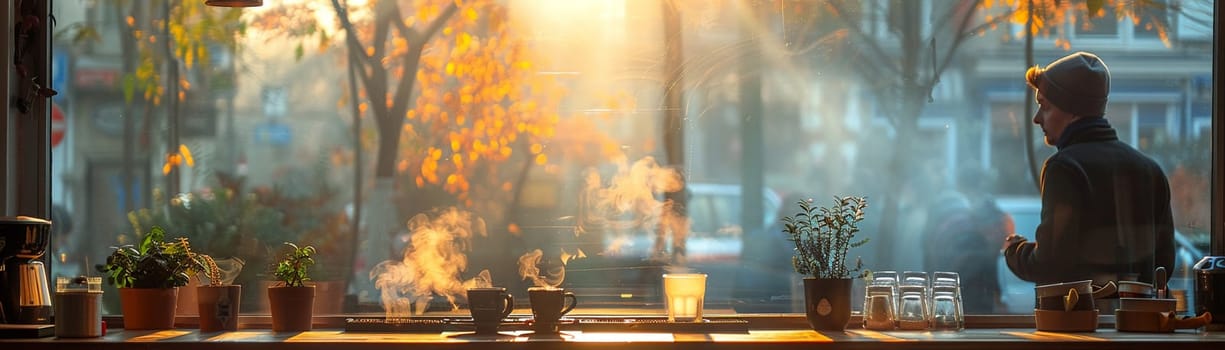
<point>1066,321</point>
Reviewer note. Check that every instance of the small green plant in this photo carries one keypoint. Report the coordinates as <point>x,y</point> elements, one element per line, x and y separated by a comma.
<point>292,269</point>
<point>823,235</point>
<point>155,263</point>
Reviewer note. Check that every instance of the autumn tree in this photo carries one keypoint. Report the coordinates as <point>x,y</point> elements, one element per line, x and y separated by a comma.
<point>160,43</point>
<point>461,114</point>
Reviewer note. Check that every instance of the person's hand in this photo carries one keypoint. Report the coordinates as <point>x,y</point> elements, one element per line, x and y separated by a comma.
<point>1013,239</point>
<point>1010,229</point>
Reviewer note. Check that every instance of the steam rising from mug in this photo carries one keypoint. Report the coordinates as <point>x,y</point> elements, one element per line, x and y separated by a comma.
<point>632,194</point>
<point>432,263</point>
<point>546,272</point>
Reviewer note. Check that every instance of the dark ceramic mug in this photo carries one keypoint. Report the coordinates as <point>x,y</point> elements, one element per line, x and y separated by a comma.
<point>488,307</point>
<point>548,306</point>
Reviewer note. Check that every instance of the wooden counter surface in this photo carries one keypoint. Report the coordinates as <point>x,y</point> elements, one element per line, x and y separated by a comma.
<point>984,338</point>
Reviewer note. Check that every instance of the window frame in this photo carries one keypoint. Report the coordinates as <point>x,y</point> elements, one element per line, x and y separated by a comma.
<point>26,150</point>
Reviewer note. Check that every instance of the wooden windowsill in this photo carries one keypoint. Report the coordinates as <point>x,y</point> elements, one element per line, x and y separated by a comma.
<point>981,338</point>
<point>756,321</point>
<point>786,331</point>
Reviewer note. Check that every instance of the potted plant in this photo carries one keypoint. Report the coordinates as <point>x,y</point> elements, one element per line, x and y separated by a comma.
<point>313,213</point>
<point>331,239</point>
<point>291,300</point>
<point>148,276</point>
<point>822,237</point>
<point>219,301</point>
<point>227,219</point>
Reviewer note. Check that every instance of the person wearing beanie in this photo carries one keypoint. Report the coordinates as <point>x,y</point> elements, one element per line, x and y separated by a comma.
<point>1106,212</point>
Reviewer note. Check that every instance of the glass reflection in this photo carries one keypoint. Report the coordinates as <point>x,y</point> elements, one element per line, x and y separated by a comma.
<point>429,146</point>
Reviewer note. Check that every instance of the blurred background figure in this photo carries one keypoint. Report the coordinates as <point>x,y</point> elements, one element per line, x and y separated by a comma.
<point>962,235</point>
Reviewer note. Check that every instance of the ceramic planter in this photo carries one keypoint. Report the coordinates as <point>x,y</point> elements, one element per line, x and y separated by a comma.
<point>827,303</point>
<point>329,297</point>
<point>148,308</point>
<point>291,308</point>
<point>187,298</point>
<point>218,307</point>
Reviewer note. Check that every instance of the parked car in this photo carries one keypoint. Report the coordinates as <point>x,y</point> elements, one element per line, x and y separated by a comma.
<point>1026,212</point>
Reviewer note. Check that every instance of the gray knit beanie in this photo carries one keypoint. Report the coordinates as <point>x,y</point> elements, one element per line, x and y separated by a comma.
<point>1078,83</point>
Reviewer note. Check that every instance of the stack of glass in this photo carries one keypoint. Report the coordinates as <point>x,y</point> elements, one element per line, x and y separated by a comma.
<point>912,301</point>
<point>914,313</point>
<point>946,302</point>
<point>878,304</point>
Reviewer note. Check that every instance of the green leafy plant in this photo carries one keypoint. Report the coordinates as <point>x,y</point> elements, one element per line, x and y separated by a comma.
<point>293,268</point>
<point>155,263</point>
<point>823,235</point>
<point>225,219</point>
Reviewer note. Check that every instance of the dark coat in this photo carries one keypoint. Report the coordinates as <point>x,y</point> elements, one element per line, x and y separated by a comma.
<point>1105,213</point>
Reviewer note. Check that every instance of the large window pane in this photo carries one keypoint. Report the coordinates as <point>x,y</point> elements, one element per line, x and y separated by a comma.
<point>592,145</point>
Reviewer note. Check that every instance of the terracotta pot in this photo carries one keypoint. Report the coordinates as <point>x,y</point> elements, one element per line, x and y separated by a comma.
<point>148,308</point>
<point>292,308</point>
<point>329,297</point>
<point>219,307</point>
<point>827,303</point>
<point>187,298</point>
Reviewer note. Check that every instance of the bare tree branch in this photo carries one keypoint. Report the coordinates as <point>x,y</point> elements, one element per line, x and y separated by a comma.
<point>957,40</point>
<point>995,21</point>
<point>357,52</point>
<point>944,20</point>
<point>385,12</point>
<point>435,26</point>
<point>416,44</point>
<point>877,53</point>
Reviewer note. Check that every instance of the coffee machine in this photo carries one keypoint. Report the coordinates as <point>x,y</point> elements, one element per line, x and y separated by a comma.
<point>1210,290</point>
<point>25,296</point>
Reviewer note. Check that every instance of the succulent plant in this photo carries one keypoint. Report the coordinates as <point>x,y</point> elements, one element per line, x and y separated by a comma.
<point>823,235</point>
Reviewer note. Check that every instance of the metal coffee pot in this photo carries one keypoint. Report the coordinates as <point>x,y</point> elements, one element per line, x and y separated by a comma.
<point>1210,289</point>
<point>25,296</point>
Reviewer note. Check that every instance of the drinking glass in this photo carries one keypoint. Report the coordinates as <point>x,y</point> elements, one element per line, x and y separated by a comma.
<point>918,278</point>
<point>889,277</point>
<point>946,308</point>
<point>946,277</point>
<point>945,293</point>
<point>684,296</point>
<point>913,311</point>
<point>878,306</point>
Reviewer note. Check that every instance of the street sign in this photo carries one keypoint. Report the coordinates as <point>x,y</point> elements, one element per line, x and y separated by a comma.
<point>273,133</point>
<point>59,74</point>
<point>276,101</point>
<point>58,125</point>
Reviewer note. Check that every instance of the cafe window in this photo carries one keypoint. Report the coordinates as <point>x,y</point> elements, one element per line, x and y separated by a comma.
<point>562,142</point>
